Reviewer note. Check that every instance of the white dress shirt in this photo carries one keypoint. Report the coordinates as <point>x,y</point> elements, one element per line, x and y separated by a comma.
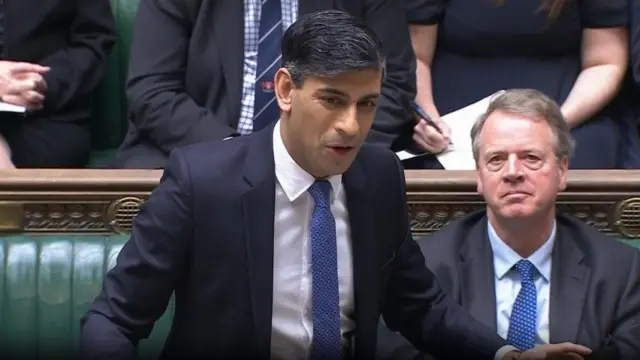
<point>507,283</point>
<point>292,327</point>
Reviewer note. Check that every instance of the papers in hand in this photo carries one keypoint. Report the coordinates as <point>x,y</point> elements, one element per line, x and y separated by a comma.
<point>4,107</point>
<point>460,155</point>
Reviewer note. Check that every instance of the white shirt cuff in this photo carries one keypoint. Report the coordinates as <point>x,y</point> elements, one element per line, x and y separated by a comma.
<point>503,351</point>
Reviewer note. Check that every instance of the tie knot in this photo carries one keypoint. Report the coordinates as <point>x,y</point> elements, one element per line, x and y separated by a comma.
<point>525,268</point>
<point>320,191</point>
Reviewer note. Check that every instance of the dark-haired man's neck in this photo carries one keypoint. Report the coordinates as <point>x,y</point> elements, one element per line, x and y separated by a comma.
<point>296,151</point>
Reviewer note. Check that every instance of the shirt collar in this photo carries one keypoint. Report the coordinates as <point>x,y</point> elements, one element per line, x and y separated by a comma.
<point>292,178</point>
<point>505,258</point>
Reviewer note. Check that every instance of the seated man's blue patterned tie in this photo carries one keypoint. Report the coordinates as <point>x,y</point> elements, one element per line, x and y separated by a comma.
<point>327,344</point>
<point>524,314</point>
<point>265,109</point>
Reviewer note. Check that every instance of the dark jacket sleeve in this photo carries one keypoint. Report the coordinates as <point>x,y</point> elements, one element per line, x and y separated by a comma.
<point>392,346</point>
<point>416,306</point>
<point>388,20</point>
<point>635,40</point>
<point>135,293</point>
<point>77,69</point>
<point>624,339</point>
<point>158,101</point>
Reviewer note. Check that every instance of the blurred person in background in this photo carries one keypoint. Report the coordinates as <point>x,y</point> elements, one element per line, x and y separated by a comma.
<point>576,52</point>
<point>203,70</point>
<point>53,55</point>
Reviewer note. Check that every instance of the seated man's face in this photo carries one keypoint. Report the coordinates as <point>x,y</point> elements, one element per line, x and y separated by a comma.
<point>327,119</point>
<point>519,174</point>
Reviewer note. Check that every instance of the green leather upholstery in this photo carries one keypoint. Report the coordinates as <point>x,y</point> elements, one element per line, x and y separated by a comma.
<point>47,283</point>
<point>109,122</point>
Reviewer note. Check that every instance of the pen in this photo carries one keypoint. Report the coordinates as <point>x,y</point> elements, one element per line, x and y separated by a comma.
<point>419,112</point>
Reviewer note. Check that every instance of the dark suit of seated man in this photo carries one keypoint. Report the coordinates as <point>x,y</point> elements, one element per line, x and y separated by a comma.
<point>198,71</point>
<point>281,244</point>
<point>532,275</point>
<point>53,55</point>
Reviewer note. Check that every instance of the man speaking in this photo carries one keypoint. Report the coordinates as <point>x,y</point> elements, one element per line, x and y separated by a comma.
<point>291,242</point>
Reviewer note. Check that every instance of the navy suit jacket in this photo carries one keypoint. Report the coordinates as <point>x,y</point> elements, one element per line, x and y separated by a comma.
<point>595,286</point>
<point>206,233</point>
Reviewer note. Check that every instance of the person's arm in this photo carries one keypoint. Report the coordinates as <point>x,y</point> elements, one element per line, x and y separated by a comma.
<point>418,308</point>
<point>76,71</point>
<point>624,338</point>
<point>604,64</point>
<point>604,57</point>
<point>423,41</point>
<point>388,20</point>
<point>156,93</point>
<point>392,346</point>
<point>424,16</point>
<point>135,293</point>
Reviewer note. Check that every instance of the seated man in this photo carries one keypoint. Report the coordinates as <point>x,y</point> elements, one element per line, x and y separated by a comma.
<point>533,275</point>
<point>203,70</point>
<point>53,55</point>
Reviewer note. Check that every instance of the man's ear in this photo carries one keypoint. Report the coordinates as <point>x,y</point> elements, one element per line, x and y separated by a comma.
<point>284,88</point>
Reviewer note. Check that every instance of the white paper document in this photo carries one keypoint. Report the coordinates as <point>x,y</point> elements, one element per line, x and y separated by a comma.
<point>460,155</point>
<point>4,107</point>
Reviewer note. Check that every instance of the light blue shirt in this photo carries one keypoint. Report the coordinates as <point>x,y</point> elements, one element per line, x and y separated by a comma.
<point>507,282</point>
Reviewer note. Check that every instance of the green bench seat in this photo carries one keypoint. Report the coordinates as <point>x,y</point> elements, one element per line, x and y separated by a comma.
<point>48,283</point>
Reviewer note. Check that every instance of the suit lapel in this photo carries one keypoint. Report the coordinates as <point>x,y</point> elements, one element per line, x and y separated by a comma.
<point>365,265</point>
<point>309,6</point>
<point>569,280</point>
<point>477,273</point>
<point>229,31</point>
<point>258,210</point>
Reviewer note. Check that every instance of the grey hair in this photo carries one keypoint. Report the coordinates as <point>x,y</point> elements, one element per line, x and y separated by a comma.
<point>531,104</point>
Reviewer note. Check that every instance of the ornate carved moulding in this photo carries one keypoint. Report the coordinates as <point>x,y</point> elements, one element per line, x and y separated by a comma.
<point>105,201</point>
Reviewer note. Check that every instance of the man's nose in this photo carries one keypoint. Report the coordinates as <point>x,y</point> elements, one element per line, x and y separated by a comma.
<point>513,171</point>
<point>348,123</point>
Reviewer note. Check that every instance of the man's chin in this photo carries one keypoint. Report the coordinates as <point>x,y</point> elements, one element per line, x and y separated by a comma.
<point>517,211</point>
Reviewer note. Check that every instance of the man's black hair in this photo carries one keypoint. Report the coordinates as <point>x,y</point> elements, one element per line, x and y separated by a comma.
<point>328,43</point>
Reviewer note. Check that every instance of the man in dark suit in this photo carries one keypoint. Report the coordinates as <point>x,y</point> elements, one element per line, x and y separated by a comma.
<point>281,244</point>
<point>53,55</point>
<point>591,294</point>
<point>203,70</point>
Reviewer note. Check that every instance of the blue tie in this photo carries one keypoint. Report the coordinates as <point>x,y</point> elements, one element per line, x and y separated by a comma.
<point>522,323</point>
<point>265,108</point>
<point>326,343</point>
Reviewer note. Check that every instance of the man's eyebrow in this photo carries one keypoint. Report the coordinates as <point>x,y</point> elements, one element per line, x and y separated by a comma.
<point>334,91</point>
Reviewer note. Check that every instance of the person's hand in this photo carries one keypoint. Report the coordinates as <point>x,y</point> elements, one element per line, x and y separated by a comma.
<point>564,351</point>
<point>32,94</point>
<point>429,138</point>
<point>5,155</point>
<point>22,84</point>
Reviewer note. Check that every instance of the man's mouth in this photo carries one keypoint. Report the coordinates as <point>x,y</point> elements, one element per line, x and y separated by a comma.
<point>341,150</point>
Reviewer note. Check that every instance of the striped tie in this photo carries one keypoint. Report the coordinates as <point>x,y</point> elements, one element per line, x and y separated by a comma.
<point>266,108</point>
